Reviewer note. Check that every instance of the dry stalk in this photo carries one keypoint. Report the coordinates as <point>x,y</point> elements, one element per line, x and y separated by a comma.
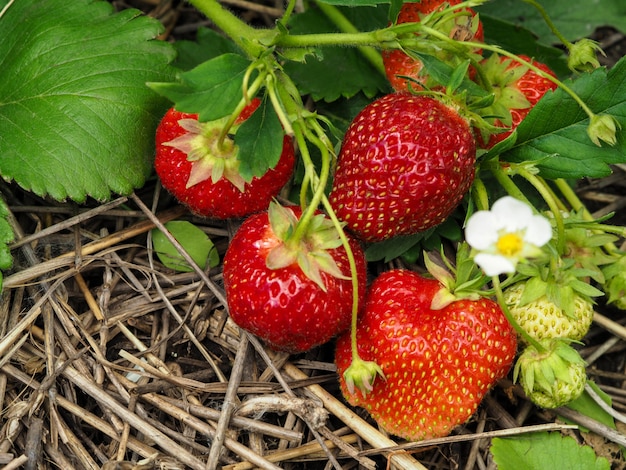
<point>372,436</point>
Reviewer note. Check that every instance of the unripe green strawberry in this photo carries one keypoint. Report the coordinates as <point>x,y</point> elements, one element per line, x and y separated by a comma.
<point>553,377</point>
<point>543,319</point>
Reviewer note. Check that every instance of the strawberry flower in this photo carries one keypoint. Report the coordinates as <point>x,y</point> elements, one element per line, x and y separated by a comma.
<point>505,235</point>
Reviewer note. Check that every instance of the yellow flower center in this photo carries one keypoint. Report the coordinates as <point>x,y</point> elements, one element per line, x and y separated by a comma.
<point>510,244</point>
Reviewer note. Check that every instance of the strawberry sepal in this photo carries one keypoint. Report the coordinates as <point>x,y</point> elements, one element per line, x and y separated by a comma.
<point>361,375</point>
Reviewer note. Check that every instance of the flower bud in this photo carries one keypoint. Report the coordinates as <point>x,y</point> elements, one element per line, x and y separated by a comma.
<point>583,56</point>
<point>603,127</point>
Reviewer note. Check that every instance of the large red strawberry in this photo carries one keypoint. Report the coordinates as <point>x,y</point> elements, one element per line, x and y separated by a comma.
<point>437,364</point>
<point>405,164</point>
<point>398,64</point>
<point>204,175</point>
<point>293,293</point>
<point>517,89</point>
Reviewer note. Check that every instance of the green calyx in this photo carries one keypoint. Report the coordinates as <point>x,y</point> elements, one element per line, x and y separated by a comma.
<point>211,156</point>
<point>361,375</point>
<point>615,282</point>
<point>310,251</point>
<point>552,377</point>
<point>462,281</point>
<point>502,75</point>
<point>603,128</point>
<point>583,55</point>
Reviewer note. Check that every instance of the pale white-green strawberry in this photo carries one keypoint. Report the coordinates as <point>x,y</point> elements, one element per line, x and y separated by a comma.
<point>543,319</point>
<point>552,377</point>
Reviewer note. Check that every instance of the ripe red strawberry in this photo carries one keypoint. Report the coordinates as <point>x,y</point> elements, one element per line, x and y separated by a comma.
<point>517,89</point>
<point>405,164</point>
<point>294,295</point>
<point>398,63</point>
<point>206,178</point>
<point>437,364</point>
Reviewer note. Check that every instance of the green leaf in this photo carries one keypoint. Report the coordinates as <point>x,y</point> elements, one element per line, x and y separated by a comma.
<point>212,89</point>
<point>6,237</point>
<point>260,141</point>
<point>208,45</point>
<point>76,118</point>
<point>194,241</point>
<point>574,21</point>
<point>554,134</point>
<point>544,451</point>
<point>336,72</point>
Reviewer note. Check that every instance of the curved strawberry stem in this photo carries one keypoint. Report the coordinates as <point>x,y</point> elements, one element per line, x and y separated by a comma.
<point>245,100</point>
<point>546,18</point>
<point>495,281</point>
<point>548,197</point>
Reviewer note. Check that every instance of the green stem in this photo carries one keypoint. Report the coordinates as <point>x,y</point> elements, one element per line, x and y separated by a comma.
<point>538,71</point>
<point>287,14</point>
<point>549,22</point>
<point>480,195</point>
<point>495,280</point>
<point>239,31</point>
<point>318,181</point>
<point>250,91</point>
<point>345,26</point>
<point>353,274</point>
<point>547,196</point>
<point>373,38</point>
<point>572,198</point>
<point>507,183</point>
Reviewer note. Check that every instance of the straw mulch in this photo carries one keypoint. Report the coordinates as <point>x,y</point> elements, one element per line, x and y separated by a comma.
<point>108,360</point>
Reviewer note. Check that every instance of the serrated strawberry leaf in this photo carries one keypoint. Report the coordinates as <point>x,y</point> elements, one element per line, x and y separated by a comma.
<point>334,72</point>
<point>76,118</point>
<point>260,141</point>
<point>573,21</point>
<point>554,134</point>
<point>544,451</point>
<point>208,45</point>
<point>212,89</point>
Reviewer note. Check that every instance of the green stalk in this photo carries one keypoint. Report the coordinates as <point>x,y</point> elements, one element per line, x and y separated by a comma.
<point>547,196</point>
<point>373,38</point>
<point>549,22</point>
<point>507,183</point>
<point>239,31</point>
<point>371,54</point>
<point>495,280</point>
<point>480,196</point>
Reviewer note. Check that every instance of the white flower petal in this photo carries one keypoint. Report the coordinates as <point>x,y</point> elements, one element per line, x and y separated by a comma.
<point>481,230</point>
<point>539,231</point>
<point>512,213</point>
<point>494,265</point>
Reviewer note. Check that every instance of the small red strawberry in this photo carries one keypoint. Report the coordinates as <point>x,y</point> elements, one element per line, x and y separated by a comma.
<point>204,175</point>
<point>437,364</point>
<point>294,294</point>
<point>398,64</point>
<point>517,89</point>
<point>405,164</point>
